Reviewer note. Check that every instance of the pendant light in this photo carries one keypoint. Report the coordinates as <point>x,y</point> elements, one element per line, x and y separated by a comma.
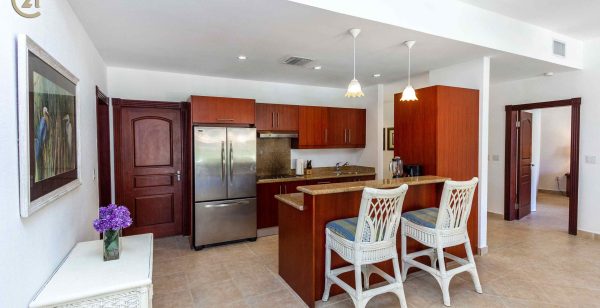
<point>409,93</point>
<point>354,88</point>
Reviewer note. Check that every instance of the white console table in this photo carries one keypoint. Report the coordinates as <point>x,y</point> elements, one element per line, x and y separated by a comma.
<point>84,279</point>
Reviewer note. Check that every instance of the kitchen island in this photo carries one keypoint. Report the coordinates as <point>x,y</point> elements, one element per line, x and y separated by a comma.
<point>302,220</point>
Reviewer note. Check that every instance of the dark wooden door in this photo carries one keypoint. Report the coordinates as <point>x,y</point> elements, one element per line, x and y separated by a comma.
<point>524,168</point>
<point>103,147</point>
<point>150,172</point>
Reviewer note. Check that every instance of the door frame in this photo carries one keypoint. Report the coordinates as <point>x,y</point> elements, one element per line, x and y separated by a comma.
<point>184,109</point>
<point>103,147</point>
<point>511,156</point>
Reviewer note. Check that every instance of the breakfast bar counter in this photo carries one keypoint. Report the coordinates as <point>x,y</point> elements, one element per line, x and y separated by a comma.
<point>302,220</point>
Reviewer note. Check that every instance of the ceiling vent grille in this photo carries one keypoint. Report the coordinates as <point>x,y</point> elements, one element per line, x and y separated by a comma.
<point>559,48</point>
<point>296,61</point>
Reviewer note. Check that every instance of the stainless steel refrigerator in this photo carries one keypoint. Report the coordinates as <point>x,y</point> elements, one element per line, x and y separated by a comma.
<point>224,184</point>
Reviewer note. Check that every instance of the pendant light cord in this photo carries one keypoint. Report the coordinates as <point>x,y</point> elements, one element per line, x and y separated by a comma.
<point>409,48</point>
<point>354,47</point>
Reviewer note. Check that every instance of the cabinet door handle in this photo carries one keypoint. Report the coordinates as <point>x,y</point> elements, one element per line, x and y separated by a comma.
<point>278,120</point>
<point>225,120</point>
<point>349,135</point>
<point>280,189</point>
<point>273,119</point>
<point>326,135</point>
<point>285,189</point>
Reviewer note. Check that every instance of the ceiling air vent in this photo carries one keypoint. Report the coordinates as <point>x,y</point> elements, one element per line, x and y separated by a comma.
<point>296,61</point>
<point>559,48</point>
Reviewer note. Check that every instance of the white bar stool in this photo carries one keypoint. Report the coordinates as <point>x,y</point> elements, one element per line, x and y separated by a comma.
<point>364,240</point>
<point>439,229</point>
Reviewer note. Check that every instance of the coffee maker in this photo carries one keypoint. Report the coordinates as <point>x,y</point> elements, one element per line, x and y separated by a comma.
<point>396,167</point>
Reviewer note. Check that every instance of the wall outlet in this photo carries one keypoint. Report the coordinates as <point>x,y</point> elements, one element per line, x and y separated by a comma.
<point>590,159</point>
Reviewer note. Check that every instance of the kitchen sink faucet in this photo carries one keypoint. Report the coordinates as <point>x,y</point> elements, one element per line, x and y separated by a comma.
<point>337,166</point>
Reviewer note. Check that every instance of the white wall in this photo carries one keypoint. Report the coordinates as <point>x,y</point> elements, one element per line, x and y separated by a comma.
<point>556,143</point>
<point>33,247</point>
<point>153,85</point>
<point>582,84</point>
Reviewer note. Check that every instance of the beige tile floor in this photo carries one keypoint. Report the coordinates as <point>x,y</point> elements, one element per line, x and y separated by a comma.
<point>531,263</point>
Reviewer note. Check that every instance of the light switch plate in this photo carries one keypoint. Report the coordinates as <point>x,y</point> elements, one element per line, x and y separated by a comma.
<point>496,157</point>
<point>590,159</point>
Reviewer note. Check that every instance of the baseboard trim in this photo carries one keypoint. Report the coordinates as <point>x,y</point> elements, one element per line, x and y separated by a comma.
<point>482,251</point>
<point>553,192</point>
<point>267,231</point>
<point>497,215</point>
<point>588,235</point>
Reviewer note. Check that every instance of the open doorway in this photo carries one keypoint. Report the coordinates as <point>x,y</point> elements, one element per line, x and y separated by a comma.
<point>523,177</point>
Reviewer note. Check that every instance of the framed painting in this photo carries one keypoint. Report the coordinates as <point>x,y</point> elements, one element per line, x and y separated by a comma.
<point>48,131</point>
<point>390,138</point>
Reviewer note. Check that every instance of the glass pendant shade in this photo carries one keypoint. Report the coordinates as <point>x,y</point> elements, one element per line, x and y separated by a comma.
<point>409,94</point>
<point>354,89</point>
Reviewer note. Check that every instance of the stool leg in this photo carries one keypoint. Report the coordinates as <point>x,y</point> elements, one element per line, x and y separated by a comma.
<point>327,273</point>
<point>397,275</point>
<point>444,280</point>
<point>403,254</point>
<point>473,271</point>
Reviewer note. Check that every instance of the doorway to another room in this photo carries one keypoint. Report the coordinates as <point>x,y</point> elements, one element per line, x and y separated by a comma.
<point>541,170</point>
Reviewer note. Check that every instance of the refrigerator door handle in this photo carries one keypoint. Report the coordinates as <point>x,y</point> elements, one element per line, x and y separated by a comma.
<point>222,161</point>
<point>231,160</point>
<point>227,204</point>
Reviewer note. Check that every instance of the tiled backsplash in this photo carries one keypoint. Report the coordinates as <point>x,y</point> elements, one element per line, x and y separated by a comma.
<point>273,156</point>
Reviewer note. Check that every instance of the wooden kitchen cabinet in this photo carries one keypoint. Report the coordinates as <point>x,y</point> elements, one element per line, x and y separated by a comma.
<point>329,127</point>
<point>276,117</point>
<point>347,127</point>
<point>313,126</point>
<point>267,204</point>
<point>222,110</point>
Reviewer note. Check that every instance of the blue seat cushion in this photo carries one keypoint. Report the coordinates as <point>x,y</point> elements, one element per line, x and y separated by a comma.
<point>345,228</point>
<point>424,217</point>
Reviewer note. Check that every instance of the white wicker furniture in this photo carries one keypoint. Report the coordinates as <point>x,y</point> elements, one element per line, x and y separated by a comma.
<point>449,229</point>
<point>373,241</point>
<point>85,280</point>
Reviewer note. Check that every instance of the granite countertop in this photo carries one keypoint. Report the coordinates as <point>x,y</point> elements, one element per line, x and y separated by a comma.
<point>295,200</point>
<point>324,173</point>
<point>323,189</point>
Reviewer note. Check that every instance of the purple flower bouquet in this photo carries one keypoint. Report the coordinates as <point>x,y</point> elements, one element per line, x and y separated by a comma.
<point>112,219</point>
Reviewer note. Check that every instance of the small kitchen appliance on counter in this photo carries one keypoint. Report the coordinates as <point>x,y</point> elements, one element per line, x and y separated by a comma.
<point>299,166</point>
<point>396,167</point>
<point>413,170</point>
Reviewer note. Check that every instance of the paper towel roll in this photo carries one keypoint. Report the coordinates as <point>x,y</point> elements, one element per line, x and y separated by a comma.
<point>299,166</point>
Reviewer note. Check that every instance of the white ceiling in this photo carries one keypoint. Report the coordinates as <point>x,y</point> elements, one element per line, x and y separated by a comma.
<point>205,37</point>
<point>575,18</point>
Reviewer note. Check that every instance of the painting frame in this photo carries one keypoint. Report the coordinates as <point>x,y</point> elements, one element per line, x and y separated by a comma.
<point>390,138</point>
<point>55,185</point>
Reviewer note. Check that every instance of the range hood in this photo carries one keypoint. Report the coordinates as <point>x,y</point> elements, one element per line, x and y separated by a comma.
<point>277,135</point>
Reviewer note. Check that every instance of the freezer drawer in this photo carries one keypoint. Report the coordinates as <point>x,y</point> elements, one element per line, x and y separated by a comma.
<point>224,221</point>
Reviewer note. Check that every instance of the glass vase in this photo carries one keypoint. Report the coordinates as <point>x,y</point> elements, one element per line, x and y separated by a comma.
<point>112,244</point>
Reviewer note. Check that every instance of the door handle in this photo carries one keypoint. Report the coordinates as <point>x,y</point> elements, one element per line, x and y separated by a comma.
<point>278,120</point>
<point>349,135</point>
<point>222,161</point>
<point>345,135</point>
<point>273,119</point>
<point>178,174</point>
<point>231,160</point>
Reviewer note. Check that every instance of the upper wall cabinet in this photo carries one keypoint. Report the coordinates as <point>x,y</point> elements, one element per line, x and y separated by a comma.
<point>328,127</point>
<point>222,110</point>
<point>274,117</point>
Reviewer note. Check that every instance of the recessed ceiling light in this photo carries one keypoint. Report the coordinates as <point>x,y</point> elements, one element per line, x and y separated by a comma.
<point>549,74</point>
<point>376,75</point>
<point>318,67</point>
<point>242,57</point>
